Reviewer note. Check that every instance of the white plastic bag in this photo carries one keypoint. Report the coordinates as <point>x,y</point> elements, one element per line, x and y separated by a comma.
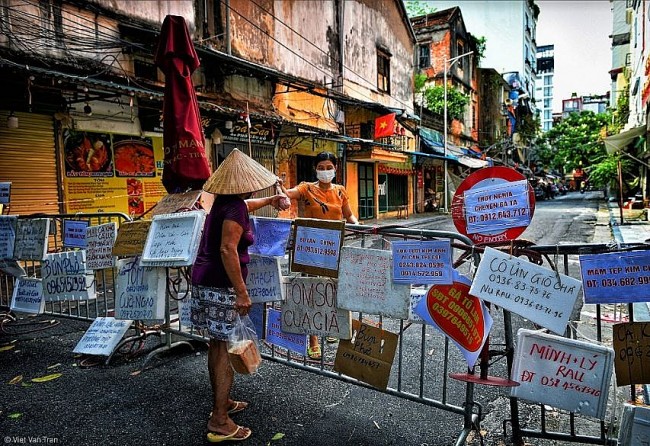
<point>243,348</point>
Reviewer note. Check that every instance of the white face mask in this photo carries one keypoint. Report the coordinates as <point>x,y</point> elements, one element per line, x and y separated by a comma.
<point>326,176</point>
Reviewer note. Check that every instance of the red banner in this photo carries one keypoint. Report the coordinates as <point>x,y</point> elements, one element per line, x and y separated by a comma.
<point>385,126</point>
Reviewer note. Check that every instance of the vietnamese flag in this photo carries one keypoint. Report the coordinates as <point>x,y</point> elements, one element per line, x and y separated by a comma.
<point>385,126</point>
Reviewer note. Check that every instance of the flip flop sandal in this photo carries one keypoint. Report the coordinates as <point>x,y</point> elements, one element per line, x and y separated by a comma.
<point>239,406</point>
<point>215,437</point>
<point>314,352</point>
<point>331,340</point>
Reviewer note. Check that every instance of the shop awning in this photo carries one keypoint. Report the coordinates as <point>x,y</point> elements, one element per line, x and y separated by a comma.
<point>616,143</point>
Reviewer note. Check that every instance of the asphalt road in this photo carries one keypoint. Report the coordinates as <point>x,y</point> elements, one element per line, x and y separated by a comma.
<point>168,404</point>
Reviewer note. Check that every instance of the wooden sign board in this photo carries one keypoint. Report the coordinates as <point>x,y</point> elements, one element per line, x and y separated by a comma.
<point>632,348</point>
<point>99,246</point>
<point>544,296</point>
<point>310,308</point>
<point>176,202</point>
<point>131,237</point>
<point>74,233</point>
<point>173,239</point>
<point>264,281</point>
<point>140,291</point>
<point>564,373</point>
<point>368,356</point>
<point>274,334</point>
<point>102,336</point>
<point>317,246</point>
<point>31,238</point>
<point>366,284</point>
<point>7,236</point>
<point>28,296</point>
<point>65,277</point>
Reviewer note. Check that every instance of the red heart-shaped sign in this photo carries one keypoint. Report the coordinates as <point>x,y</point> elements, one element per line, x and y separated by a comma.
<point>458,314</point>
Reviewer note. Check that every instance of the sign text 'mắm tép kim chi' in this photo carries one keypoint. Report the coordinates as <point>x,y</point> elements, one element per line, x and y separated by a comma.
<point>616,277</point>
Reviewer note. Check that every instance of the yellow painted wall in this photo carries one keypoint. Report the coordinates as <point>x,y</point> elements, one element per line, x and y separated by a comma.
<point>352,186</point>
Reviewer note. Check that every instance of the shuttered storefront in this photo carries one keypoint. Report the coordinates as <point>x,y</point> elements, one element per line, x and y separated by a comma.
<point>28,161</point>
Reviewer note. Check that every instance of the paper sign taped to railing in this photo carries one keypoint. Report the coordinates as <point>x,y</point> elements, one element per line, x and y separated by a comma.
<point>274,334</point>
<point>545,297</point>
<point>28,296</point>
<point>74,233</point>
<point>271,236</point>
<point>7,236</point>
<point>131,237</point>
<point>140,291</point>
<point>422,262</point>
<point>264,282</point>
<point>564,373</point>
<point>102,336</point>
<point>616,277</point>
<point>99,241</point>
<point>366,284</point>
<point>497,207</point>
<point>31,238</point>
<point>317,246</point>
<point>173,239</point>
<point>65,277</point>
<point>632,353</point>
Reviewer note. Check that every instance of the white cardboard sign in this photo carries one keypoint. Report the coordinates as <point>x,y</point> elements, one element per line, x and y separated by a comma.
<point>140,291</point>
<point>534,292</point>
<point>173,239</point>
<point>102,336</point>
<point>366,284</point>
<point>563,373</point>
<point>28,296</point>
<point>264,282</point>
<point>65,277</point>
<point>31,238</point>
<point>99,246</point>
<point>7,236</point>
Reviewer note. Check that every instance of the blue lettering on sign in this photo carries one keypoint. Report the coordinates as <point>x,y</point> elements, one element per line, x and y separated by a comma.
<point>74,233</point>
<point>424,262</point>
<point>274,334</point>
<point>616,277</point>
<point>271,235</point>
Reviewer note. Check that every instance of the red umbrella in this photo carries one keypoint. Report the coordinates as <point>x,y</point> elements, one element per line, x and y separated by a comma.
<point>186,165</point>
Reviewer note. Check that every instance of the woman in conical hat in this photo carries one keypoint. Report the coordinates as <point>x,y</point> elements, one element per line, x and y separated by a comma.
<point>219,277</point>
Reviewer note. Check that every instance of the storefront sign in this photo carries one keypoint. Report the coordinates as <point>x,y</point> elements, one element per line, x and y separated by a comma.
<point>264,282</point>
<point>616,277</point>
<point>99,241</point>
<point>74,233</point>
<point>632,353</point>
<point>102,336</point>
<point>28,296</point>
<point>260,133</point>
<point>422,262</point>
<point>65,277</point>
<point>7,236</point>
<point>274,334</point>
<point>173,239</point>
<point>140,291</point>
<point>317,246</point>
<point>31,238</point>
<point>131,237</point>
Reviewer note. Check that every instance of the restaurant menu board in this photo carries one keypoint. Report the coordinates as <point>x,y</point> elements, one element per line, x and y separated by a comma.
<point>131,237</point>
<point>99,241</point>
<point>317,246</point>
<point>173,239</point>
<point>102,336</point>
<point>28,296</point>
<point>564,373</point>
<point>539,294</point>
<point>107,172</point>
<point>74,233</point>
<point>65,277</point>
<point>140,291</point>
<point>31,238</point>
<point>7,236</point>
<point>616,277</point>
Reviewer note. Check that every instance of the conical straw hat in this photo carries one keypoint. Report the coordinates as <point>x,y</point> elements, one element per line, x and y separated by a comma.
<point>239,174</point>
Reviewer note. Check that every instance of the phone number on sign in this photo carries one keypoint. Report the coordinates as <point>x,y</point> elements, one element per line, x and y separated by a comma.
<point>626,281</point>
<point>490,216</point>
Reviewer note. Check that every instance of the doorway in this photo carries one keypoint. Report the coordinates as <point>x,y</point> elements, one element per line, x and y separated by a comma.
<point>366,191</point>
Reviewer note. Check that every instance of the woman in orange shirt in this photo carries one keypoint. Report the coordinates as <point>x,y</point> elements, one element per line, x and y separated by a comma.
<point>325,201</point>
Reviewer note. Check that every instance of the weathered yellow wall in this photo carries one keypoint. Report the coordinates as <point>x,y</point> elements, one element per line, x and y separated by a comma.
<point>352,186</point>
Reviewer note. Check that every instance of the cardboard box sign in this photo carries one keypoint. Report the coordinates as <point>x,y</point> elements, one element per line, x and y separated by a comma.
<point>174,202</point>
<point>131,237</point>
<point>632,350</point>
<point>368,356</point>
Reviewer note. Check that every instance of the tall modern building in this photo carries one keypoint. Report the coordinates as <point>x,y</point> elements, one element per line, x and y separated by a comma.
<point>622,18</point>
<point>509,28</point>
<point>544,85</point>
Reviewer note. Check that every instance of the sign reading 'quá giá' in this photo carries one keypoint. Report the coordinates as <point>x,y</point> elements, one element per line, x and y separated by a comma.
<point>317,246</point>
<point>31,238</point>
<point>99,246</point>
<point>632,353</point>
<point>173,239</point>
<point>616,277</point>
<point>545,297</point>
<point>65,277</point>
<point>563,373</point>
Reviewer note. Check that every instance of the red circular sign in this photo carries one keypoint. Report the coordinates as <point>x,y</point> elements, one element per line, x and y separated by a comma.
<point>483,178</point>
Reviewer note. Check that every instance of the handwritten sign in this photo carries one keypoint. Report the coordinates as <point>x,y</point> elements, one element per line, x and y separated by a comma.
<point>317,246</point>
<point>7,236</point>
<point>28,296</point>
<point>310,308</point>
<point>171,203</point>
<point>634,426</point>
<point>271,236</point>
<point>102,337</point>
<point>563,373</point>
<point>131,237</point>
<point>99,241</point>
<point>173,239</point>
<point>74,233</point>
<point>616,277</point>
<point>185,312</point>
<point>140,291</point>
<point>31,238</point>
<point>366,284</point>
<point>65,277</point>
<point>5,192</point>
<point>12,267</point>
<point>545,297</point>
<point>369,356</point>
<point>264,282</point>
<point>257,314</point>
<point>497,207</point>
<point>417,294</point>
<point>422,262</point>
<point>461,317</point>
<point>274,334</point>
<point>632,353</point>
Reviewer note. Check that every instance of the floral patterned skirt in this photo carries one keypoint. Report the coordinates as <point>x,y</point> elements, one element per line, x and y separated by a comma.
<point>213,309</point>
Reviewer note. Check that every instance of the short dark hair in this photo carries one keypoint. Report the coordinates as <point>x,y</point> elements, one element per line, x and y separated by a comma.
<point>325,156</point>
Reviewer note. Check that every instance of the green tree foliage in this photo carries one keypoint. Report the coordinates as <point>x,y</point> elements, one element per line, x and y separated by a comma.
<point>434,100</point>
<point>415,8</point>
